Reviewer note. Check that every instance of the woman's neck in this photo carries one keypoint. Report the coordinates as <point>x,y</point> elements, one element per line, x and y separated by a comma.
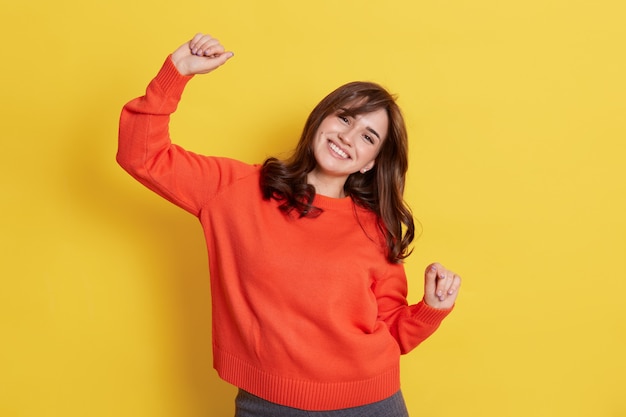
<point>329,187</point>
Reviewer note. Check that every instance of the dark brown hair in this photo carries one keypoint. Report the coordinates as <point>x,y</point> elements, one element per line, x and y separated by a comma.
<point>379,189</point>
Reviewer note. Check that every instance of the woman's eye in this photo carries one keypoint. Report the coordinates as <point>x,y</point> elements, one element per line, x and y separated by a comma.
<point>368,138</point>
<point>344,119</point>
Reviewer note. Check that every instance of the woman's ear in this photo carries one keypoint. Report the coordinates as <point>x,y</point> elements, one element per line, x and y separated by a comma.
<point>367,167</point>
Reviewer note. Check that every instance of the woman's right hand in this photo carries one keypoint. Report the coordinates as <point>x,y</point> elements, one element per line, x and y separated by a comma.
<point>200,55</point>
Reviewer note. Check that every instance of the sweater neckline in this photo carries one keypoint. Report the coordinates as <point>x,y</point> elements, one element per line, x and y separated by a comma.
<point>325,202</point>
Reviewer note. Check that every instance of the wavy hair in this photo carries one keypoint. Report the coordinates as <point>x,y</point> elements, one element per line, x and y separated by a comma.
<point>380,189</point>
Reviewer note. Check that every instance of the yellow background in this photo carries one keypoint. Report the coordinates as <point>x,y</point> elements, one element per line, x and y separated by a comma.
<point>517,127</point>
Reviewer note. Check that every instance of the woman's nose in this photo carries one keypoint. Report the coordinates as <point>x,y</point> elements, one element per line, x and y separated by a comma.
<point>346,136</point>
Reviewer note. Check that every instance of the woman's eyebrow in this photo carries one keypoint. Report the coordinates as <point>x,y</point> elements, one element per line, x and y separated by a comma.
<point>373,131</point>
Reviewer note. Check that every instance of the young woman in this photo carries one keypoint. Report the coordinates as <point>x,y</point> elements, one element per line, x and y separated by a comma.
<point>310,314</point>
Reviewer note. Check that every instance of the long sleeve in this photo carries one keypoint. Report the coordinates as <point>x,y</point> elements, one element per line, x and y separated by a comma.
<point>409,324</point>
<point>146,152</point>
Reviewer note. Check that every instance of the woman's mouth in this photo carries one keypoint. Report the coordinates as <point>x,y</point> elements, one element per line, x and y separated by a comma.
<point>336,149</point>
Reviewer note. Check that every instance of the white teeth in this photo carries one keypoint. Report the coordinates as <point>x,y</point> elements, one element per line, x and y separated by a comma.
<point>338,150</point>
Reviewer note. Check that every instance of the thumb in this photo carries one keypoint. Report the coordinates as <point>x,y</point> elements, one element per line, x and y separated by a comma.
<point>203,65</point>
<point>430,279</point>
<point>223,57</point>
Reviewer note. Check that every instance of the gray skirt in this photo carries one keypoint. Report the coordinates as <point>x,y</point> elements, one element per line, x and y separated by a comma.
<point>248,405</point>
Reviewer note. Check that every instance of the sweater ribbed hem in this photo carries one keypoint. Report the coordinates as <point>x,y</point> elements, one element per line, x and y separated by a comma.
<point>302,394</point>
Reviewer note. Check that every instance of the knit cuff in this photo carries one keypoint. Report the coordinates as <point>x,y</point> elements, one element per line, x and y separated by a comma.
<point>170,80</point>
<point>430,315</point>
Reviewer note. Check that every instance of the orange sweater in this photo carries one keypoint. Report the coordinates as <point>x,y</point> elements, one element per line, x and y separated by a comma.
<point>307,313</point>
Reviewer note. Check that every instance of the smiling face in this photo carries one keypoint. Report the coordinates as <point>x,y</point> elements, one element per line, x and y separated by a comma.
<point>345,144</point>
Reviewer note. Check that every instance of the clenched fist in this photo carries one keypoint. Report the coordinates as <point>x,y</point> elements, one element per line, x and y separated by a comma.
<point>200,55</point>
<point>441,286</point>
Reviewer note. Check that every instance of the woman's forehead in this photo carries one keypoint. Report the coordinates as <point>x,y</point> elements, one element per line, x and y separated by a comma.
<point>358,106</point>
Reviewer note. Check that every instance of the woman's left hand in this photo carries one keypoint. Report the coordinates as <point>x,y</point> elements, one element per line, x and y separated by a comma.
<point>441,286</point>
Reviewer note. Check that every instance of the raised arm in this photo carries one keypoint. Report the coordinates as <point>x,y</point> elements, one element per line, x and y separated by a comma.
<point>144,147</point>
